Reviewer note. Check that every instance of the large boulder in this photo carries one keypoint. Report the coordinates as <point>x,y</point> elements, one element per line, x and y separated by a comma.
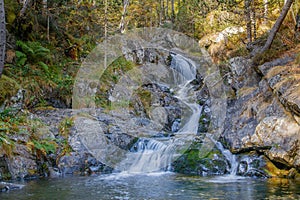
<point>280,137</point>
<point>263,115</point>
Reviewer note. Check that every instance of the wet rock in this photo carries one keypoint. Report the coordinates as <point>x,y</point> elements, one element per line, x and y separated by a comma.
<point>192,162</point>
<point>4,170</point>
<point>5,186</point>
<point>161,107</point>
<point>54,172</point>
<point>175,125</point>
<point>252,165</point>
<point>22,165</point>
<point>119,138</point>
<point>80,163</point>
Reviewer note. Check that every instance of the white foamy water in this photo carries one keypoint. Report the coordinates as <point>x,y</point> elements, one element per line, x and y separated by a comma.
<point>155,155</point>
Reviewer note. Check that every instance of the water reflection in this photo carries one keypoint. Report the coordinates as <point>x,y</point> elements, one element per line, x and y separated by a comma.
<point>157,186</point>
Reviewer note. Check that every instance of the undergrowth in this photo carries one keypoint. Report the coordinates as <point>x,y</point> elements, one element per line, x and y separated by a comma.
<point>18,129</point>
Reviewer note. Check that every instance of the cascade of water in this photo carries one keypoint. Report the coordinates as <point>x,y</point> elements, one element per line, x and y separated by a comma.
<point>229,156</point>
<point>184,69</point>
<point>151,155</point>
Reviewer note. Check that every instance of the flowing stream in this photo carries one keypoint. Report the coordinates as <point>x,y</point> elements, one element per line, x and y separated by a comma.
<point>153,155</point>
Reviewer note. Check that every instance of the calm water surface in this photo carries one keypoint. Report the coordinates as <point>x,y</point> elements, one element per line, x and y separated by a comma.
<point>156,186</point>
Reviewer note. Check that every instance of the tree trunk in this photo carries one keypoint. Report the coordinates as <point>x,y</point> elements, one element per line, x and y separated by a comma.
<point>123,22</point>
<point>253,21</point>
<point>277,25</point>
<point>2,36</point>
<point>167,10</point>
<point>160,12</point>
<point>248,20</point>
<point>266,12</point>
<point>297,26</point>
<point>24,8</point>
<point>105,33</point>
<point>173,11</point>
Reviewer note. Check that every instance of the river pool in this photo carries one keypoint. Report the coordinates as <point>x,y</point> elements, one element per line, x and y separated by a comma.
<point>156,186</point>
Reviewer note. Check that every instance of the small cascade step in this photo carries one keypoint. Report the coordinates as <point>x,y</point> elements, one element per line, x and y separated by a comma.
<point>157,154</point>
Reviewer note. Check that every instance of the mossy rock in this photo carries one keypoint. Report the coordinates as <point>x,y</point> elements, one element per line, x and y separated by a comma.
<point>191,163</point>
<point>109,78</point>
<point>8,88</point>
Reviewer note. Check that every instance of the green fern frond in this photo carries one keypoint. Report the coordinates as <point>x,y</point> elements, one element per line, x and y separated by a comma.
<point>44,66</point>
<point>25,48</point>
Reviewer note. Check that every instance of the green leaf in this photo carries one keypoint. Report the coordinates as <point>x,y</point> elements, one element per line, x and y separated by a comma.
<point>20,54</point>
<point>44,66</point>
<point>21,62</point>
<point>25,48</point>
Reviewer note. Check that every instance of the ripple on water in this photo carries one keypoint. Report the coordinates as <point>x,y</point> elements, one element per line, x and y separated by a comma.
<point>227,179</point>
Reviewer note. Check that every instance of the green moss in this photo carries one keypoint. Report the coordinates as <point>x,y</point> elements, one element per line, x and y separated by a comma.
<point>144,96</point>
<point>204,122</point>
<point>8,88</point>
<point>65,126</point>
<point>11,9</point>
<point>109,78</point>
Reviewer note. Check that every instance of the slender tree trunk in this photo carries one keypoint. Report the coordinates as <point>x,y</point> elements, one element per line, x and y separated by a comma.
<point>173,11</point>
<point>105,33</point>
<point>266,11</point>
<point>24,8</point>
<point>253,21</point>
<point>167,10</point>
<point>297,26</point>
<point>122,25</point>
<point>45,13</point>
<point>160,13</point>
<point>248,19</point>
<point>277,25</point>
<point>2,36</point>
<point>163,10</point>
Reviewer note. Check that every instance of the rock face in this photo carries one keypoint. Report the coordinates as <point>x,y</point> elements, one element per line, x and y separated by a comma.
<point>282,136</point>
<point>263,114</point>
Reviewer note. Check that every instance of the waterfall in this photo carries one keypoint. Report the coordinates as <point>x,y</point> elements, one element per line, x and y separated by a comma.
<point>231,158</point>
<point>154,155</point>
<point>184,69</point>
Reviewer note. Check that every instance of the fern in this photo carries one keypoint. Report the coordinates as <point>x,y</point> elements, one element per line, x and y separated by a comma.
<point>21,58</point>
<point>44,66</point>
<point>34,51</point>
<point>41,51</point>
<point>25,48</point>
<point>44,146</point>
